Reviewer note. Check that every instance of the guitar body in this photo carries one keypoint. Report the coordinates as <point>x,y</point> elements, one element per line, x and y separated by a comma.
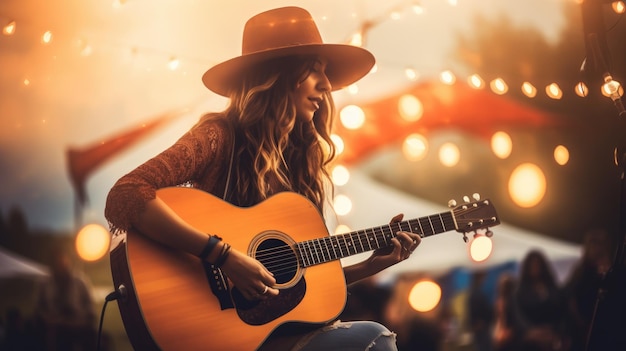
<point>169,303</point>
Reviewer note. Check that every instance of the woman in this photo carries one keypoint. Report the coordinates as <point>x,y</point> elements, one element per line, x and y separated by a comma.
<point>539,305</point>
<point>274,136</point>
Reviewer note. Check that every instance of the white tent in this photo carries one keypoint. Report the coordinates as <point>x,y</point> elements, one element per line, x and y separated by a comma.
<point>374,204</point>
<point>13,265</point>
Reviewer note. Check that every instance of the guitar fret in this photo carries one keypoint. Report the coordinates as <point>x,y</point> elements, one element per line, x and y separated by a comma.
<point>334,246</point>
<point>375,236</point>
<point>338,245</point>
<point>360,241</point>
<point>325,250</point>
<point>422,233</point>
<point>305,258</point>
<point>425,225</point>
<point>439,224</point>
<point>351,243</point>
<point>318,248</point>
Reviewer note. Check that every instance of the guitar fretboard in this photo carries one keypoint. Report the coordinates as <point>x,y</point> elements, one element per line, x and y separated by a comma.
<point>335,247</point>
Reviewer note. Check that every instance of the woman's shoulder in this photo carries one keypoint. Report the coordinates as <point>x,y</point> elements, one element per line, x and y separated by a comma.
<point>214,125</point>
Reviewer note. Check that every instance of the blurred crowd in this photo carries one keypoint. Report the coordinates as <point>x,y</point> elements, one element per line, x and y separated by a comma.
<point>63,317</point>
<point>530,310</point>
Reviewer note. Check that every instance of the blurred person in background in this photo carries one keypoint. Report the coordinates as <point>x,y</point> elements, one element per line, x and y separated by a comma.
<point>65,307</point>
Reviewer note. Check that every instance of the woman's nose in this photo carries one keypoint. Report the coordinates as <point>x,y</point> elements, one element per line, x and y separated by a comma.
<point>324,83</point>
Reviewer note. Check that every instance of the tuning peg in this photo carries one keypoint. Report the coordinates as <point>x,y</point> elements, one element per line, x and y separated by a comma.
<point>466,198</point>
<point>465,239</point>
<point>452,203</point>
<point>476,196</point>
<point>488,233</point>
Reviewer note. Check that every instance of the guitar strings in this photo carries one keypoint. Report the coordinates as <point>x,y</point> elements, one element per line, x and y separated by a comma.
<point>287,258</point>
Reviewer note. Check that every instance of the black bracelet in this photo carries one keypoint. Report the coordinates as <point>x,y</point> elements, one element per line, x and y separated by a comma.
<point>223,256</point>
<point>210,245</point>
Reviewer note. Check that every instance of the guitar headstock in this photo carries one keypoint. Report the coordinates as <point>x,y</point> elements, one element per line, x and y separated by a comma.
<point>474,215</point>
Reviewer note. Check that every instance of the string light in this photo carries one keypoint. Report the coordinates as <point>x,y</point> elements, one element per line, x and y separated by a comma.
<point>581,89</point>
<point>499,86</point>
<point>475,81</point>
<point>554,91</point>
<point>447,77</point>
<point>46,38</point>
<point>529,90</point>
<point>9,29</point>
<point>173,63</point>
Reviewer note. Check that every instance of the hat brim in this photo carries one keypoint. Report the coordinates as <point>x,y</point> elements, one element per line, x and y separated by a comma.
<point>346,64</point>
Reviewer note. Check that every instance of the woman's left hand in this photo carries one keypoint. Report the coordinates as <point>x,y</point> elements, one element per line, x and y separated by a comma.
<point>402,247</point>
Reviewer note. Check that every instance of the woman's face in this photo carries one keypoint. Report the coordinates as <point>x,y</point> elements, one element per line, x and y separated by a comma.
<point>309,92</point>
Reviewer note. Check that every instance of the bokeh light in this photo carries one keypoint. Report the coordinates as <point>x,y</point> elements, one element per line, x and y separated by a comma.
<point>527,185</point>
<point>92,242</point>
<point>501,144</point>
<point>352,117</point>
<point>424,296</point>
<point>449,154</point>
<point>480,248</point>
<point>342,205</point>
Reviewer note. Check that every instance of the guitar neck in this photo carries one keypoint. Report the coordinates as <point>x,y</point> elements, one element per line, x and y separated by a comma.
<point>335,247</point>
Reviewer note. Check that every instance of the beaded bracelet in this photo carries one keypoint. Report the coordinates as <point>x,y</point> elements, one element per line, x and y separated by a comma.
<point>210,245</point>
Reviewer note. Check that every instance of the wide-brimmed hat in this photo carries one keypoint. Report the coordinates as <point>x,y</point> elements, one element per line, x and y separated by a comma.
<point>283,32</point>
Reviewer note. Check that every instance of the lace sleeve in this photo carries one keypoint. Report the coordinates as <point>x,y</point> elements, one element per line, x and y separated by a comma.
<point>204,147</point>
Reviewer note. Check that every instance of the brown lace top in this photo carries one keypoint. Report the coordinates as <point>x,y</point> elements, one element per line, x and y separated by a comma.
<point>200,158</point>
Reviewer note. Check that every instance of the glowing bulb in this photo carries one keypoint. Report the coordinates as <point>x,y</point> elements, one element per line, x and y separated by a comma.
<point>410,108</point>
<point>342,228</point>
<point>475,81</point>
<point>92,242</point>
<point>411,74</point>
<point>529,90</point>
<point>554,91</point>
<point>340,175</point>
<point>480,248</point>
<point>46,38</point>
<point>499,86</point>
<point>447,77</point>
<point>610,87</point>
<point>501,144</point>
<point>527,185</point>
<point>618,7</point>
<point>9,29</point>
<point>424,296</point>
<point>173,63</point>
<point>561,155</point>
<point>352,117</point>
<point>357,39</point>
<point>581,89</point>
<point>338,142</point>
<point>342,205</point>
<point>449,154</point>
<point>414,147</point>
<point>353,89</point>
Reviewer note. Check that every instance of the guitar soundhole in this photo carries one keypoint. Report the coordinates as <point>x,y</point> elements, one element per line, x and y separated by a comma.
<point>275,250</point>
<point>279,258</point>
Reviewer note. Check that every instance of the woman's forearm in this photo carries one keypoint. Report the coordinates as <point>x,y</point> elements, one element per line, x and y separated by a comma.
<point>159,222</point>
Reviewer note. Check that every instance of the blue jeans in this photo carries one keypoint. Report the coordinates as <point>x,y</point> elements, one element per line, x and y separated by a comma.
<point>349,336</point>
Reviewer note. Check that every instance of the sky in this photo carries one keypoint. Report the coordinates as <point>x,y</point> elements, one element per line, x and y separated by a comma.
<point>52,97</point>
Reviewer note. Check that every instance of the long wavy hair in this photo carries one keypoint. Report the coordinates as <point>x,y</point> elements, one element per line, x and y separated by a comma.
<point>275,150</point>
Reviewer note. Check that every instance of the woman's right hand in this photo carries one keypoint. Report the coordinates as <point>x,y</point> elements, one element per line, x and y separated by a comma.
<point>250,277</point>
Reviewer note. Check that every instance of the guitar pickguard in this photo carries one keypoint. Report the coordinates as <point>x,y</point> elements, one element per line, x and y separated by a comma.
<point>264,311</point>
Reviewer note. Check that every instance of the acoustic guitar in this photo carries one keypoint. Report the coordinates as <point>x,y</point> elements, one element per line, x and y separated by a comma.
<point>173,301</point>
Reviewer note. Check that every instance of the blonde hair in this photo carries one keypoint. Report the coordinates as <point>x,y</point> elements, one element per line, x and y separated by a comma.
<point>274,149</point>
